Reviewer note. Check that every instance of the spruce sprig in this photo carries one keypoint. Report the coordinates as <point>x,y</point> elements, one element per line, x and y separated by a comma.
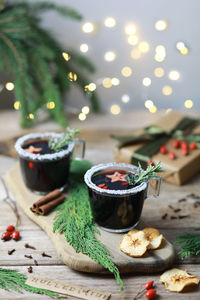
<point>189,244</point>
<point>74,219</point>
<point>58,144</point>
<point>142,175</point>
<point>15,281</point>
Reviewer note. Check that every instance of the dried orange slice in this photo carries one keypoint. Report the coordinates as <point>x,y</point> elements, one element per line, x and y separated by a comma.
<point>176,280</point>
<point>134,244</point>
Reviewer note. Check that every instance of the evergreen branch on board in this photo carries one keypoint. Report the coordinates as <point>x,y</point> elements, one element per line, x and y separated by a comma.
<point>189,244</point>
<point>11,280</point>
<point>74,219</point>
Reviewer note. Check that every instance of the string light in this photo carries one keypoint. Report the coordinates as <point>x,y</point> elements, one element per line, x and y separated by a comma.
<point>88,27</point>
<point>130,29</point>
<point>146,81</point>
<point>16,105</point>
<point>92,87</point>
<point>125,98</point>
<point>115,109</point>
<point>135,53</point>
<point>148,103</point>
<point>184,51</point>
<point>31,116</point>
<point>66,56</point>
<point>10,86</point>
<point>160,53</point>
<point>51,105</point>
<point>153,109</point>
<point>115,81</point>
<point>143,47</point>
<point>84,48</point>
<point>110,56</point>
<point>174,75</point>
<point>167,90</point>
<point>107,82</point>
<point>126,71</point>
<point>132,40</point>
<point>82,116</point>
<point>188,103</point>
<point>85,110</point>
<point>180,46</point>
<point>159,72</point>
<point>110,22</point>
<point>161,25</point>
<point>72,76</point>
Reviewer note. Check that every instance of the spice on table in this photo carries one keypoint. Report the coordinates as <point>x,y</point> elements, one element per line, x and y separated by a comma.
<point>30,269</point>
<point>10,252</point>
<point>173,217</point>
<point>26,245</point>
<point>170,206</point>
<point>182,200</point>
<point>183,216</point>
<point>177,210</point>
<point>35,262</point>
<point>45,255</point>
<point>164,216</point>
<point>28,256</point>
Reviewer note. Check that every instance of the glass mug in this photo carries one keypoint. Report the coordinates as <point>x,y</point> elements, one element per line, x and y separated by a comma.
<point>117,210</point>
<point>44,172</point>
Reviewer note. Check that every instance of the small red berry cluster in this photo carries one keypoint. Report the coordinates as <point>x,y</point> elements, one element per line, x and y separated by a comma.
<point>10,233</point>
<point>178,144</point>
<point>150,292</point>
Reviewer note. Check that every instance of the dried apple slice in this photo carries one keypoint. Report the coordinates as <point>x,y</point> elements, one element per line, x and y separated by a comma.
<point>176,280</point>
<point>134,244</point>
<point>153,236</point>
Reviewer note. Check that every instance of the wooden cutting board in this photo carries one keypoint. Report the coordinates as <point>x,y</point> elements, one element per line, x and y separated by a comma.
<point>153,261</point>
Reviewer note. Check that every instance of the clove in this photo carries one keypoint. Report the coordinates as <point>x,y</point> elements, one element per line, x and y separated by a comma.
<point>164,216</point>
<point>30,269</point>
<point>35,261</point>
<point>26,245</point>
<point>177,210</point>
<point>45,255</point>
<point>28,256</point>
<point>10,252</point>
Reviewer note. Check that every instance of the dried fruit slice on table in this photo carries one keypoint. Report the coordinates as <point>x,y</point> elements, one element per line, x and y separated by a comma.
<point>154,237</point>
<point>176,280</point>
<point>134,244</point>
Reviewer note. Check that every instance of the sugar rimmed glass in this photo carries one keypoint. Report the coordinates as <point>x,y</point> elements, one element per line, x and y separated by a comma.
<point>117,210</point>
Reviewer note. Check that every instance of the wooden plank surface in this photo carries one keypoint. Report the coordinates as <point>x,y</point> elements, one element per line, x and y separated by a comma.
<point>99,149</point>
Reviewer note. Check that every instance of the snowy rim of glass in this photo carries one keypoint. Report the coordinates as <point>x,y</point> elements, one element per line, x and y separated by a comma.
<point>122,166</point>
<point>40,157</point>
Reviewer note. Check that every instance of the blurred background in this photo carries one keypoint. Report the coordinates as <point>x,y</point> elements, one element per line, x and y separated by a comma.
<point>146,54</point>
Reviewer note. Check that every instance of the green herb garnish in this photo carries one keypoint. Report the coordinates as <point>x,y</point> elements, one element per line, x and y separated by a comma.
<point>189,243</point>
<point>142,175</point>
<point>58,144</point>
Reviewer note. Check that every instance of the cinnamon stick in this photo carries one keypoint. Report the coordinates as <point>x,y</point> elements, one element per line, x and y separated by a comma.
<point>47,198</point>
<point>44,209</point>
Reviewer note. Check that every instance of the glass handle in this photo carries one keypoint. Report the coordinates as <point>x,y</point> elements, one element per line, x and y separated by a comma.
<point>79,148</point>
<point>154,186</point>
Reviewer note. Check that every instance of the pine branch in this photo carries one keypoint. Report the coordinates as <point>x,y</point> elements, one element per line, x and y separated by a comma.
<point>74,219</point>
<point>58,144</point>
<point>11,280</point>
<point>189,244</point>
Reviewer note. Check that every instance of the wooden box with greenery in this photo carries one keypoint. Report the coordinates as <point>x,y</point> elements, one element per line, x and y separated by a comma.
<point>34,60</point>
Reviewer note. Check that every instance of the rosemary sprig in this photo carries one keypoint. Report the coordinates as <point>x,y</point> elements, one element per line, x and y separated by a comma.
<point>189,244</point>
<point>58,144</point>
<point>141,174</point>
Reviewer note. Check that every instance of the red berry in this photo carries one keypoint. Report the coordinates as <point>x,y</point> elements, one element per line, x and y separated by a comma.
<point>185,152</point>
<point>15,235</point>
<point>149,285</point>
<point>184,145</point>
<point>150,162</point>
<point>6,236</point>
<point>150,294</point>
<point>172,155</point>
<point>31,165</point>
<point>10,228</point>
<point>163,149</point>
<point>193,146</point>
<point>176,144</point>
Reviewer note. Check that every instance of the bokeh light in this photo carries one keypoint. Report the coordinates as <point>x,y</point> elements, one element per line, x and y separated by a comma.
<point>84,48</point>
<point>148,103</point>
<point>132,40</point>
<point>92,87</point>
<point>115,109</point>
<point>135,53</point>
<point>88,27</point>
<point>161,25</point>
<point>143,47</point>
<point>115,81</point>
<point>82,116</point>
<point>107,82</point>
<point>51,105</point>
<point>85,110</point>
<point>125,98</point>
<point>126,71</point>
<point>130,29</point>
<point>188,103</point>
<point>110,56</point>
<point>146,81</point>
<point>110,22</point>
<point>66,56</point>
<point>153,109</point>
<point>167,90</point>
<point>174,75</point>
<point>16,105</point>
<point>72,76</point>
<point>9,86</point>
<point>159,72</point>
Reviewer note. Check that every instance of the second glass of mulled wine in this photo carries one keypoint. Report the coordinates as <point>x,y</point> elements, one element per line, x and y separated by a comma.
<point>116,202</point>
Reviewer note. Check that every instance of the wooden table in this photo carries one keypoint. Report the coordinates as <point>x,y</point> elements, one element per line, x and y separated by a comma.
<point>99,149</point>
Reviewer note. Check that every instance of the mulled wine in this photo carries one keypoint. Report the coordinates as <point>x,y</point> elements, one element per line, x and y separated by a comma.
<point>43,169</point>
<point>116,202</point>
